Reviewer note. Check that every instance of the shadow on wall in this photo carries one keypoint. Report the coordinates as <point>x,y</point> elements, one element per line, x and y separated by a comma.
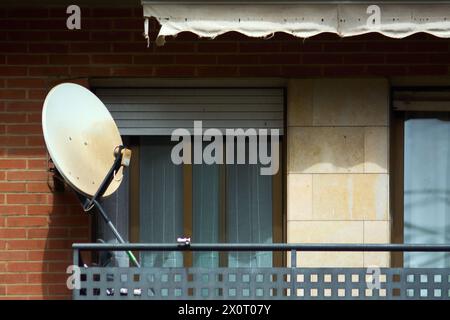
<point>338,126</point>
<point>68,224</point>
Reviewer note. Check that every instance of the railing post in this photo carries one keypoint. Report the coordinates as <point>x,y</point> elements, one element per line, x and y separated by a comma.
<point>76,255</point>
<point>293,276</point>
<point>293,258</point>
<point>75,263</point>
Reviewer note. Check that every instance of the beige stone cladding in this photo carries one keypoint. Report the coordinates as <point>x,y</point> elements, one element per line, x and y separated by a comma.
<point>337,168</point>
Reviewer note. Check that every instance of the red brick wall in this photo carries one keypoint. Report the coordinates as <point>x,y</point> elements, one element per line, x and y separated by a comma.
<point>37,227</point>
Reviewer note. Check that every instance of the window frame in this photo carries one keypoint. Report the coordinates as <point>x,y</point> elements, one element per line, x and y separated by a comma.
<point>397,159</point>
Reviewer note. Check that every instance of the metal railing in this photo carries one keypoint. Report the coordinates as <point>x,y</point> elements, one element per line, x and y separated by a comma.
<point>262,282</point>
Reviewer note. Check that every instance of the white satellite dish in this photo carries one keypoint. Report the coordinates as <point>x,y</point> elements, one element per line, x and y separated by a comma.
<point>81,136</point>
<point>85,145</point>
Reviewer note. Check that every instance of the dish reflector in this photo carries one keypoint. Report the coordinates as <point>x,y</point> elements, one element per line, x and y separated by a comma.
<point>81,137</point>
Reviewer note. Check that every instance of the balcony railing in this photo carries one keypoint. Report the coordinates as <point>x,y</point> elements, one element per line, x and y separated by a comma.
<point>246,283</point>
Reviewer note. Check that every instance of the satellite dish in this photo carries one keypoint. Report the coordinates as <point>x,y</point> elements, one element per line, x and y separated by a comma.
<point>85,146</point>
<point>81,138</point>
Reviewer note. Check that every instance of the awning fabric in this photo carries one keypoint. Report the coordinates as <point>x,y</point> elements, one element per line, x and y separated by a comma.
<point>300,20</point>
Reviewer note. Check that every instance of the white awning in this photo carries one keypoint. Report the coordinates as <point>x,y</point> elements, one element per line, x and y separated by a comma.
<point>263,19</point>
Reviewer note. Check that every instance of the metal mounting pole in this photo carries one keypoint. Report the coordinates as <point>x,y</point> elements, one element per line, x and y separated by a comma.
<point>114,231</point>
<point>89,203</point>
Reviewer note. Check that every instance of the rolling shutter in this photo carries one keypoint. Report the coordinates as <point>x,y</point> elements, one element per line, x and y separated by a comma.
<point>158,111</point>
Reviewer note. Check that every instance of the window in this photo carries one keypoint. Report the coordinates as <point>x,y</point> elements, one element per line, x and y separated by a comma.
<point>421,179</point>
<point>229,203</point>
<point>219,203</point>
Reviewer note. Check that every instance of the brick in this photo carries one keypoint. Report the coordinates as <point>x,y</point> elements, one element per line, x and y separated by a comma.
<point>12,187</point>
<point>28,12</point>
<point>12,94</point>
<point>45,255</point>
<point>27,152</point>
<point>301,71</point>
<point>134,47</point>
<point>45,209</point>
<point>320,58</point>
<point>26,176</point>
<point>238,59</point>
<point>13,47</point>
<point>12,210</point>
<point>49,47</point>
<point>13,256</point>
<point>175,71</point>
<point>24,129</point>
<point>78,220</point>
<point>407,58</point>
<point>96,24</point>
<point>12,164</point>
<point>37,187</point>
<point>13,233</point>
<point>428,70</point>
<point>363,59</point>
<point>79,233</point>
<point>12,117</point>
<point>154,59</point>
<point>174,47</point>
<point>280,59</point>
<point>133,71</point>
<point>122,24</point>
<point>386,70</point>
<point>47,278</point>
<point>27,59</point>
<point>217,71</point>
<point>272,71</point>
<point>194,59</point>
<point>17,106</point>
<point>114,36</point>
<point>112,59</point>
<point>58,289</point>
<point>58,266</point>
<point>217,47</point>
<point>69,59</point>
<point>429,46</point>
<point>298,46</point>
<point>26,199</point>
<point>37,94</point>
<point>35,141</point>
<point>13,71</point>
<point>70,35</point>
<point>37,164</point>
<point>61,198</point>
<point>48,71</point>
<point>343,46</point>
<point>90,71</point>
<point>340,71</point>
<point>112,12</point>
<point>25,83</point>
<point>13,278</point>
<point>48,233</point>
<point>32,36</point>
<point>259,46</point>
<point>25,289</point>
<point>34,118</point>
<point>386,46</point>
<point>26,245</point>
<point>90,47</point>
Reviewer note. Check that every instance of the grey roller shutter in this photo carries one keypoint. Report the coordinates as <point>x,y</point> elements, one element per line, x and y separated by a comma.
<point>158,111</point>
